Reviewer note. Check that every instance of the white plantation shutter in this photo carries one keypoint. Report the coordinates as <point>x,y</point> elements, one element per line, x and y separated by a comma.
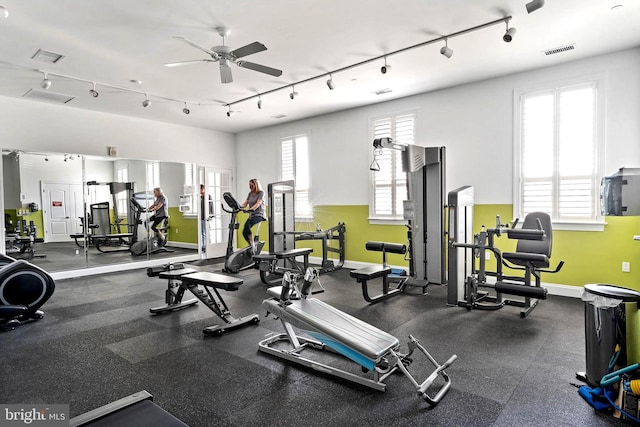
<point>191,178</point>
<point>390,183</point>
<point>121,197</point>
<point>559,153</point>
<point>294,164</point>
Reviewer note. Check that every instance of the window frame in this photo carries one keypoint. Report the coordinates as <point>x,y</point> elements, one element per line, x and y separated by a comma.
<point>596,81</point>
<point>293,137</point>
<point>398,218</point>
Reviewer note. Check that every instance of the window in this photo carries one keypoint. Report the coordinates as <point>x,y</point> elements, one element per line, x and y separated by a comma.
<point>191,181</point>
<point>122,175</point>
<point>153,175</point>
<point>294,164</point>
<point>389,184</point>
<point>558,165</point>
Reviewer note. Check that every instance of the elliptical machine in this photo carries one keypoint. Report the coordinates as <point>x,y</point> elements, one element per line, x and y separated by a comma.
<point>241,258</point>
<point>151,244</point>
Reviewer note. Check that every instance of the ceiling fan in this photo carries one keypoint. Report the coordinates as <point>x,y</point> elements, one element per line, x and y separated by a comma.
<point>224,55</point>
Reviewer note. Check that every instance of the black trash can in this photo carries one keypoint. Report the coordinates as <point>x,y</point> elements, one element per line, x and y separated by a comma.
<point>605,327</point>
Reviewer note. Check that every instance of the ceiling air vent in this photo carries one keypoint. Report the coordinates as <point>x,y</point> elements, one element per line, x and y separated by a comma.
<point>560,49</point>
<point>382,91</point>
<point>45,95</point>
<point>280,116</point>
<point>46,56</point>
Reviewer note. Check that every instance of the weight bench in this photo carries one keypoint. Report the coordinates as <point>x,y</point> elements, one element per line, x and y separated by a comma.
<point>276,263</point>
<point>364,275</point>
<point>190,279</point>
<point>375,351</point>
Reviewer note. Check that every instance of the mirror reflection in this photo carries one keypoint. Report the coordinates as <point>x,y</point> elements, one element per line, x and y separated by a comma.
<point>65,212</point>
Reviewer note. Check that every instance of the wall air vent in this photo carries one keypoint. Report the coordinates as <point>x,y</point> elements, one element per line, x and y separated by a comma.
<point>382,91</point>
<point>560,49</point>
<point>46,56</point>
<point>45,95</point>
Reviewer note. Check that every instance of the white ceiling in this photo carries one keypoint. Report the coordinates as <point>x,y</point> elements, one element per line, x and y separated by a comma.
<point>116,41</point>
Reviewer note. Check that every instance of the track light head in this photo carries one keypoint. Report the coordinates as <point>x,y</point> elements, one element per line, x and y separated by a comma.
<point>508,35</point>
<point>230,112</point>
<point>45,83</point>
<point>93,91</point>
<point>4,12</point>
<point>46,158</point>
<point>293,93</point>
<point>146,101</point>
<point>185,109</point>
<point>386,67</point>
<point>445,50</point>
<point>330,84</point>
<point>534,5</point>
<point>259,103</point>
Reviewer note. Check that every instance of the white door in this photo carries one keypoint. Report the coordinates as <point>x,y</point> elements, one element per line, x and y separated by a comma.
<point>216,182</point>
<point>62,208</point>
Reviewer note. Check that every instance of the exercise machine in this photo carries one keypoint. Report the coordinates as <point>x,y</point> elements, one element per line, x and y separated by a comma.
<point>283,255</point>
<point>98,228</point>
<point>151,244</point>
<point>532,257</point>
<point>239,259</point>
<point>181,278</point>
<point>23,243</point>
<point>136,410</point>
<point>425,168</point>
<point>24,288</point>
<point>327,237</point>
<point>376,352</point>
<point>366,274</point>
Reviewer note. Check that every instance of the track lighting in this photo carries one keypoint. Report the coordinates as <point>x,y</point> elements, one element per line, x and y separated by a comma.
<point>445,50</point>
<point>293,93</point>
<point>46,158</point>
<point>386,67</point>
<point>45,83</point>
<point>93,91</point>
<point>259,103</point>
<point>146,101</point>
<point>508,35</point>
<point>230,113</point>
<point>185,109</point>
<point>534,5</point>
<point>4,12</point>
<point>330,83</point>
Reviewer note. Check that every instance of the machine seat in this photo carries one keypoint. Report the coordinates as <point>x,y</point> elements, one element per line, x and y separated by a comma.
<point>315,315</point>
<point>290,253</point>
<point>112,236</point>
<point>521,258</point>
<point>213,280</point>
<point>370,272</point>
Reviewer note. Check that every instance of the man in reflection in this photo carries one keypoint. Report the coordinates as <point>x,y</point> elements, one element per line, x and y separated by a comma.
<point>203,217</point>
<point>160,209</point>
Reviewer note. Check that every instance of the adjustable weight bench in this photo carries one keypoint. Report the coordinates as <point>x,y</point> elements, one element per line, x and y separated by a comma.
<point>364,275</point>
<point>375,351</point>
<point>190,279</point>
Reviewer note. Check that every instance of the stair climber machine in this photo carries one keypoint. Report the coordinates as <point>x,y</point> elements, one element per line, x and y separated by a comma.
<point>424,210</point>
<point>239,259</point>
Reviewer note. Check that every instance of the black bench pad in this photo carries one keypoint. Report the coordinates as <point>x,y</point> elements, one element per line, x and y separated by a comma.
<point>370,272</point>
<point>293,253</point>
<point>214,280</point>
<point>176,274</point>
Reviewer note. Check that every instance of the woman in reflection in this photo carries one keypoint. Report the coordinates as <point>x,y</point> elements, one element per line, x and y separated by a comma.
<point>160,209</point>
<point>255,204</point>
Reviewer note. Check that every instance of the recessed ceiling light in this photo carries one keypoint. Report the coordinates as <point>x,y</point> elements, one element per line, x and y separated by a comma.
<point>46,56</point>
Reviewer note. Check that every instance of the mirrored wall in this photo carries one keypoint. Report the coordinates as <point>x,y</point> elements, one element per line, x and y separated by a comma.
<point>67,212</point>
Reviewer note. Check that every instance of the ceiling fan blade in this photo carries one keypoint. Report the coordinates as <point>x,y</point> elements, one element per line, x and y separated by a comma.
<point>260,68</point>
<point>197,46</point>
<point>248,49</point>
<point>225,73</point>
<point>180,63</point>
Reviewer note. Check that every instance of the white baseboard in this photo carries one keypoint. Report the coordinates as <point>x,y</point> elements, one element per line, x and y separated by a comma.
<point>182,245</point>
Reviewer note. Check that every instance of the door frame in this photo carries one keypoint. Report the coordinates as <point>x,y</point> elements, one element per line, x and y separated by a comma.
<point>44,206</point>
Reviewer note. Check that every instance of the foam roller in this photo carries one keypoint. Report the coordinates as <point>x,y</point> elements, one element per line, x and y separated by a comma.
<point>394,248</point>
